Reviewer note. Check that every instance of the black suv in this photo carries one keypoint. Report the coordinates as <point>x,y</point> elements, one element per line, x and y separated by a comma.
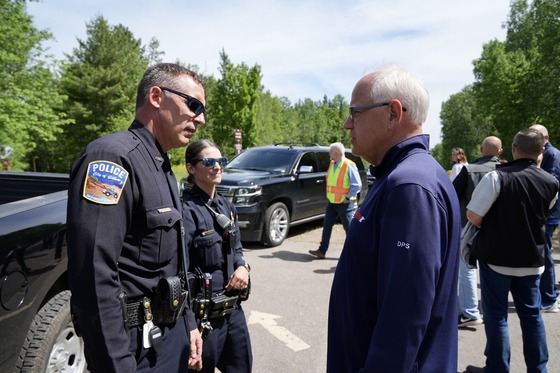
<point>275,187</point>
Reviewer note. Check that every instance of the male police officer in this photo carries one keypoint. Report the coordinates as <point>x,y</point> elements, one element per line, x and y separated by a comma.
<point>125,232</point>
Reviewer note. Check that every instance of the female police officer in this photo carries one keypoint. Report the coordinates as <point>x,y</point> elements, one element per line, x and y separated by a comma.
<point>215,252</point>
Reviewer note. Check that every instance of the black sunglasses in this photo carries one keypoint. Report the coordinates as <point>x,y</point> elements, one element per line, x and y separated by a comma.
<point>192,103</point>
<point>210,162</point>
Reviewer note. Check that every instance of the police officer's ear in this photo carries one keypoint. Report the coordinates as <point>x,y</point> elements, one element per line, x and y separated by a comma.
<point>155,96</point>
<point>191,169</point>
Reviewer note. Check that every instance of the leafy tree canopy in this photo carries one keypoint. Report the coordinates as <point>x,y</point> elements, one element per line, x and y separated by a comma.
<point>29,102</point>
<point>100,80</point>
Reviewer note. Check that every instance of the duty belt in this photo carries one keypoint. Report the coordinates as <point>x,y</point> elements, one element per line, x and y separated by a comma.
<point>135,314</point>
<point>164,308</point>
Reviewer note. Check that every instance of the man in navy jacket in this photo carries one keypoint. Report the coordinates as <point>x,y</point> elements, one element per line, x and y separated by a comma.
<point>551,164</point>
<point>393,305</point>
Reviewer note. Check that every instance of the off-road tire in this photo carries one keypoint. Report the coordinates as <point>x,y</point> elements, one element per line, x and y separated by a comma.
<point>52,344</point>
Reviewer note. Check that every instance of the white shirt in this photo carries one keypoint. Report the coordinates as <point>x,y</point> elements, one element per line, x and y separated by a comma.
<point>456,169</point>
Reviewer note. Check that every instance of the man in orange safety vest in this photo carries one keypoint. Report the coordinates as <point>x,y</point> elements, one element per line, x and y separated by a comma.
<point>343,184</point>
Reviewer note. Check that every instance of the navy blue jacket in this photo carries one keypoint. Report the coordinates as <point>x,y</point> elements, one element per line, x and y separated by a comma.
<point>393,305</point>
<point>551,164</point>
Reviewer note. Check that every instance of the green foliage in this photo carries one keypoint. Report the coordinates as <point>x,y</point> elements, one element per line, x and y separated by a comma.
<point>501,89</point>
<point>272,121</point>
<point>463,126</point>
<point>441,155</point>
<point>235,103</point>
<point>29,99</point>
<point>100,80</point>
<point>320,122</point>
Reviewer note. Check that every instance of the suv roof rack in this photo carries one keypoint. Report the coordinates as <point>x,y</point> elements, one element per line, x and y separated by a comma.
<point>292,144</point>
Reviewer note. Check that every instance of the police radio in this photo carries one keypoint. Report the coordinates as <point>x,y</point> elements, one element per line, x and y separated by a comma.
<point>229,232</point>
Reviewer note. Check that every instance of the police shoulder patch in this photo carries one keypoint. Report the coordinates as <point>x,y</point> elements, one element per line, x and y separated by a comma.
<point>104,182</point>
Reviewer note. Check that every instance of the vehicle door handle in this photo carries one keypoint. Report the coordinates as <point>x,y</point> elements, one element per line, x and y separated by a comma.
<point>320,181</point>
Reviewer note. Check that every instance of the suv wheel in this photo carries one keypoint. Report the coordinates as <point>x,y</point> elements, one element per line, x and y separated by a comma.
<point>52,344</point>
<point>276,224</point>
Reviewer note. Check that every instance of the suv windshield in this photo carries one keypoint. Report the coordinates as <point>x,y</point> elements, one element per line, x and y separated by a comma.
<point>263,160</point>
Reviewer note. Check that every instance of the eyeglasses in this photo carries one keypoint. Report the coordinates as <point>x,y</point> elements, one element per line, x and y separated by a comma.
<point>354,109</point>
<point>192,103</point>
<point>210,162</point>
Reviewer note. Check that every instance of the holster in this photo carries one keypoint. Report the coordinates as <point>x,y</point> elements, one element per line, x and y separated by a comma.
<point>169,301</point>
<point>194,282</point>
<point>222,304</point>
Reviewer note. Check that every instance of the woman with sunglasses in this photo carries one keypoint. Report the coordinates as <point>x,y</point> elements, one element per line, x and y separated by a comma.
<point>215,253</point>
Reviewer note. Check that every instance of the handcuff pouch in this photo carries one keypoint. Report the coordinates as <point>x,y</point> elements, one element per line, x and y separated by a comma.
<point>169,300</point>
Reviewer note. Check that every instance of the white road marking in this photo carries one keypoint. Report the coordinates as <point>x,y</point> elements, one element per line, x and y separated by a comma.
<point>283,334</point>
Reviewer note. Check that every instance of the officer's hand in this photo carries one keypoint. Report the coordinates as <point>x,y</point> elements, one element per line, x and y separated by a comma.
<point>239,279</point>
<point>195,357</point>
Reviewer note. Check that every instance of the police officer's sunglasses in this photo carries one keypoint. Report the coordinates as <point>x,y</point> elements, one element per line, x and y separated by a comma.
<point>192,103</point>
<point>210,162</point>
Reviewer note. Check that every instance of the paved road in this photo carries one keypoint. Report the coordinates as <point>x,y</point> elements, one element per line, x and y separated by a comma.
<point>287,311</point>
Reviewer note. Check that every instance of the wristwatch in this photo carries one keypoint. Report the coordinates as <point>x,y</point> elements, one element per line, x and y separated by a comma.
<point>247,267</point>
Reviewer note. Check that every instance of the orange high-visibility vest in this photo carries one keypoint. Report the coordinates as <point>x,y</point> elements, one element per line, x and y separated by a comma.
<point>338,182</point>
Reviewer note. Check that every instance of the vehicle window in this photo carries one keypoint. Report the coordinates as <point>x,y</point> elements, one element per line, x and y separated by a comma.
<point>308,159</point>
<point>324,161</point>
<point>263,160</point>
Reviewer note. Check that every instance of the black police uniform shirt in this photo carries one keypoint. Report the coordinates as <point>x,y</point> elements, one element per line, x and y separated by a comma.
<point>124,233</point>
<point>204,238</point>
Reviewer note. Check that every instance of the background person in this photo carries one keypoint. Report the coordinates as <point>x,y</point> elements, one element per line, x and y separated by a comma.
<point>124,230</point>
<point>393,304</point>
<point>550,163</point>
<point>510,206</point>
<point>216,250</point>
<point>468,178</point>
<point>343,185</point>
<point>458,159</point>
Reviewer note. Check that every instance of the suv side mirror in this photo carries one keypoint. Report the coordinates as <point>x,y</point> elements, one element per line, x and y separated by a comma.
<point>305,169</point>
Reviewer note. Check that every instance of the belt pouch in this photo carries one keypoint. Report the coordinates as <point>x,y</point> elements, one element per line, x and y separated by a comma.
<point>222,305</point>
<point>169,302</point>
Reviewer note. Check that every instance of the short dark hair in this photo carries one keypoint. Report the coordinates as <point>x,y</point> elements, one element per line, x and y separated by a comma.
<point>529,141</point>
<point>193,152</point>
<point>163,74</point>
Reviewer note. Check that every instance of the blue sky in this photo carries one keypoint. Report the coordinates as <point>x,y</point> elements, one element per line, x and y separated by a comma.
<point>306,48</point>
